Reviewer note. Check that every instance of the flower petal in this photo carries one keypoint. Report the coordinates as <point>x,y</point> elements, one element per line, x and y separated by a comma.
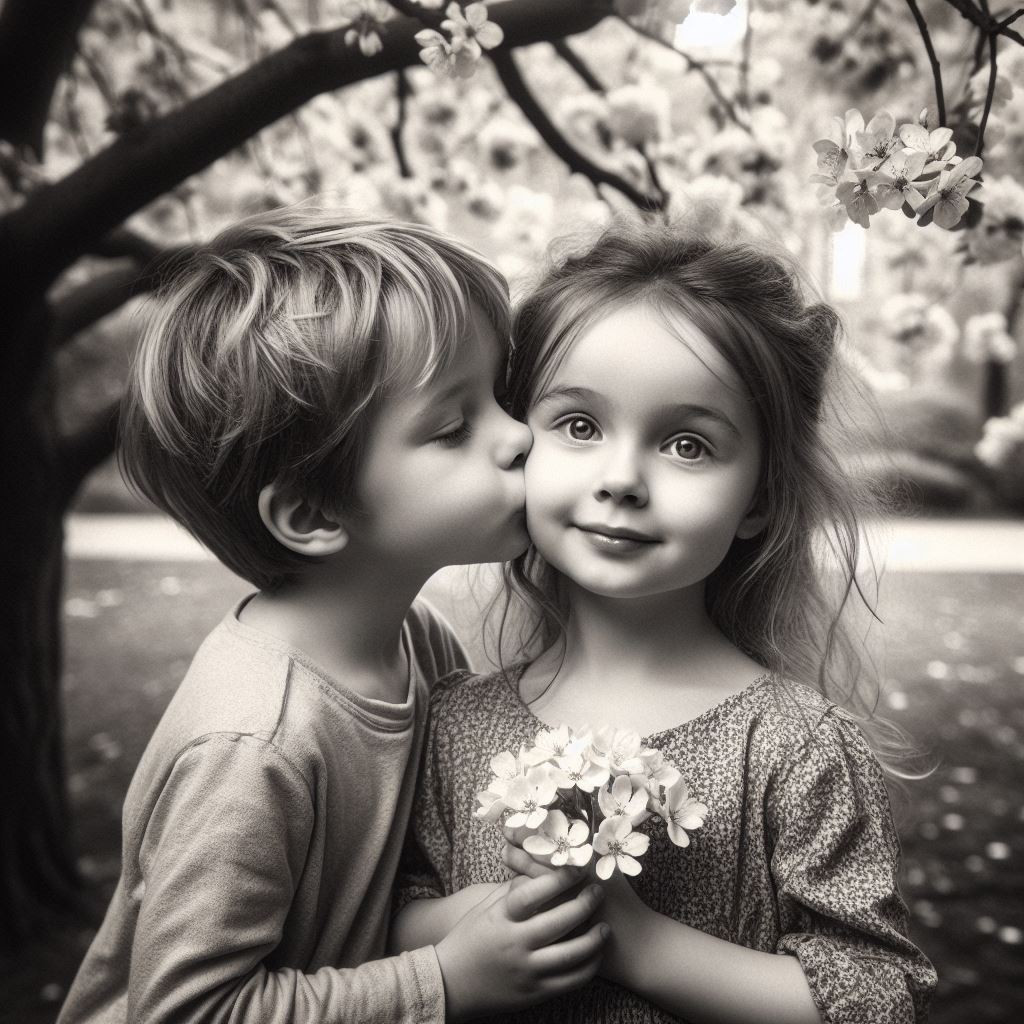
<point>627,865</point>
<point>605,867</point>
<point>539,845</point>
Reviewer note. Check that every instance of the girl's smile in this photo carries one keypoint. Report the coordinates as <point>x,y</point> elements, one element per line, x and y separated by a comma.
<point>646,458</point>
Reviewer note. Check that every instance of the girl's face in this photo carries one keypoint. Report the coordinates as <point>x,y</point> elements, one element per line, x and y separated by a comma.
<point>646,458</point>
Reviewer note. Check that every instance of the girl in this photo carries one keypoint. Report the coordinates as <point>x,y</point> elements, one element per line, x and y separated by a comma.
<point>681,496</point>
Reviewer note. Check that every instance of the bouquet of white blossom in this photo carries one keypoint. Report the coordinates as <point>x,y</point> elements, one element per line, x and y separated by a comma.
<point>584,793</point>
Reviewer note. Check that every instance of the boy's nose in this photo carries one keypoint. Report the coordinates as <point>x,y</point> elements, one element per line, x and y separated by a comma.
<point>515,444</point>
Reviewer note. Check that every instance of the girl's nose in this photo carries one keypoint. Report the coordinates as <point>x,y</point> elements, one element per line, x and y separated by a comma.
<point>515,442</point>
<point>622,482</point>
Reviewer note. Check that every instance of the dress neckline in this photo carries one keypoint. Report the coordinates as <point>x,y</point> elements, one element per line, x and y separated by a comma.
<point>648,740</point>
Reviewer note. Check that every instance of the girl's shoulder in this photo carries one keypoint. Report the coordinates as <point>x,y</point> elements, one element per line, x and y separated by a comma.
<point>474,696</point>
<point>796,725</point>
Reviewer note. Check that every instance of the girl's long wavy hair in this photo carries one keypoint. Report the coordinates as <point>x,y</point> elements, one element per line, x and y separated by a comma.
<point>786,596</point>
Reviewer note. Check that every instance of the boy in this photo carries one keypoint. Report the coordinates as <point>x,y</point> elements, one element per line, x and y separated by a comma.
<point>314,400</point>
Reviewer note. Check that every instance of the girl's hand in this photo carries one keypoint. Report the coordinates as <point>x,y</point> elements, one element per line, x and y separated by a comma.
<point>518,946</point>
<point>622,909</point>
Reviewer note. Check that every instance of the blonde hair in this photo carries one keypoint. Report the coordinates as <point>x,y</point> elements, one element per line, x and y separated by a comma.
<point>784,596</point>
<point>266,354</point>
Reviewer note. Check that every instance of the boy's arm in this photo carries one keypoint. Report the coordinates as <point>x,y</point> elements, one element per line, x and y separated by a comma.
<point>220,862</point>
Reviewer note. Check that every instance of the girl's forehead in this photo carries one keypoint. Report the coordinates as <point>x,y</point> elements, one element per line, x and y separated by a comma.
<point>641,345</point>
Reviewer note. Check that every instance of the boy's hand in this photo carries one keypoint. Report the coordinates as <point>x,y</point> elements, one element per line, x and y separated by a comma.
<point>516,947</point>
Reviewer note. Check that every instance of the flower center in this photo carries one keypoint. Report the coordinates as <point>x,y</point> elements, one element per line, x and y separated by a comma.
<point>615,848</point>
<point>529,805</point>
<point>562,844</point>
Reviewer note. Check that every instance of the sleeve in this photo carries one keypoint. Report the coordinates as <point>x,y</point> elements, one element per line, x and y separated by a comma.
<point>434,642</point>
<point>835,863</point>
<point>220,861</point>
<point>425,870</point>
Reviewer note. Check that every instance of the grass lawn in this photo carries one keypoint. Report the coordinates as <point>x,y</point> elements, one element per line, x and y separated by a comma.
<point>955,679</point>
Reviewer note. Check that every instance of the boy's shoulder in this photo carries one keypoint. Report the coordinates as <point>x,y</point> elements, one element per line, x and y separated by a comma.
<point>432,642</point>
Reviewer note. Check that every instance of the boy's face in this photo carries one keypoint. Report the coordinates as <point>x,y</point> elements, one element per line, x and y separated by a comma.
<point>442,477</point>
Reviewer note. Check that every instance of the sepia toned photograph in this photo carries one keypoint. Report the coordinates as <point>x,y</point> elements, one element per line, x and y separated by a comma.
<point>514,511</point>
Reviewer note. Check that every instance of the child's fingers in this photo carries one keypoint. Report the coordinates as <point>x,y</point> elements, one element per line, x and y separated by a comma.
<point>561,958</point>
<point>522,863</point>
<point>550,925</point>
<point>527,895</point>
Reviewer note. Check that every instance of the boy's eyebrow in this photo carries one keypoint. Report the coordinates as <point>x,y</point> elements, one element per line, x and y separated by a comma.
<point>681,410</point>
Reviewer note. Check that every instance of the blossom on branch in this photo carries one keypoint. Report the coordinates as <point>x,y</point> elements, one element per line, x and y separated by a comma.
<point>948,194</point>
<point>472,29</point>
<point>366,17</point>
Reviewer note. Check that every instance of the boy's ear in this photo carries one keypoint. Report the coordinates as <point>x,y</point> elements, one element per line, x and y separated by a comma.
<point>754,521</point>
<point>298,526</point>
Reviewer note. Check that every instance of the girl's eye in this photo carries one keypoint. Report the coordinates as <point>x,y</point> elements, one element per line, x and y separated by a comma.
<point>688,448</point>
<point>579,428</point>
<point>454,437</point>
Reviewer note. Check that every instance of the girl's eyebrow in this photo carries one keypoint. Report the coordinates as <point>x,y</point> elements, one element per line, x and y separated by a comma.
<point>564,391</point>
<point>685,410</point>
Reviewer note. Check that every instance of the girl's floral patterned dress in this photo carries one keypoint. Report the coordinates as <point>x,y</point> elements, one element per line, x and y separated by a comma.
<point>798,853</point>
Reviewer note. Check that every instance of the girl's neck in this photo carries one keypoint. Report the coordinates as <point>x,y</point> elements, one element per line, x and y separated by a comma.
<point>646,664</point>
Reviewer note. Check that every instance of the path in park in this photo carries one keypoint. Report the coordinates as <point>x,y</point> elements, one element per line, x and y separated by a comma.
<point>903,545</point>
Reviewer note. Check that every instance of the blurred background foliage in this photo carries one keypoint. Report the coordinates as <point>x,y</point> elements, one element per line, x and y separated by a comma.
<point>709,114</point>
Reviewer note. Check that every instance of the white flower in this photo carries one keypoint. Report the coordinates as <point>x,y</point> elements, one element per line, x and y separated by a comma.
<point>1002,441</point>
<point>619,749</point>
<point>999,235</point>
<point>858,198</point>
<point>657,772</point>
<point>638,114</point>
<point>472,28</point>
<point>490,805</point>
<point>721,7</point>
<point>936,145</point>
<point>986,338</point>
<point>507,143</point>
<point>444,57</point>
<point>565,843</point>
<point>366,17</point>
<point>554,742</point>
<point>874,144</point>
<point>948,194</point>
<point>619,799</point>
<point>897,183</point>
<point>619,847</point>
<point>528,796</point>
<point>577,770</point>
<point>914,320</point>
<point>681,812</point>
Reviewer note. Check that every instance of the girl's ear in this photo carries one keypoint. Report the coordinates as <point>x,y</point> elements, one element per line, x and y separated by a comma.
<point>753,522</point>
<point>298,526</point>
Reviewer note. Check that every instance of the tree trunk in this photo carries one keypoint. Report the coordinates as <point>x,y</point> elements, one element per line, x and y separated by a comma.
<point>37,867</point>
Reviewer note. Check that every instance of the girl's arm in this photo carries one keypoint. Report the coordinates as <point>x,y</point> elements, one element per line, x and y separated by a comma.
<point>687,972</point>
<point>696,976</point>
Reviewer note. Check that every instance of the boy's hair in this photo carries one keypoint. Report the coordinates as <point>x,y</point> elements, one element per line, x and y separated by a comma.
<point>265,356</point>
<point>774,595</point>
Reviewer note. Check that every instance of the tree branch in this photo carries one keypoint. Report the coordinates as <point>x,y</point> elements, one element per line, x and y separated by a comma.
<point>60,222</point>
<point>104,294</point>
<point>986,22</point>
<point>593,83</point>
<point>124,242</point>
<point>926,38</point>
<point>37,42</point>
<point>402,91</point>
<point>519,92</point>
<point>91,445</point>
<point>990,92</point>
<point>693,64</point>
